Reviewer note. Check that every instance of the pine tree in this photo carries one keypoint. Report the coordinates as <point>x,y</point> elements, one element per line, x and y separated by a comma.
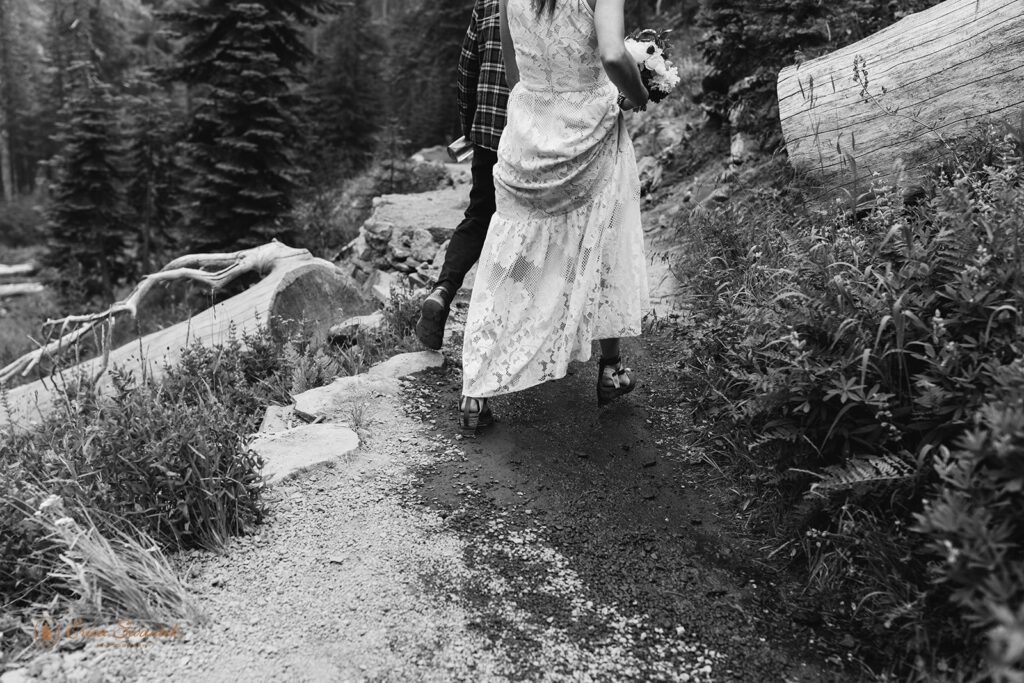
<point>344,102</point>
<point>20,73</point>
<point>422,79</point>
<point>89,241</point>
<point>242,59</point>
<point>6,112</point>
<point>152,127</point>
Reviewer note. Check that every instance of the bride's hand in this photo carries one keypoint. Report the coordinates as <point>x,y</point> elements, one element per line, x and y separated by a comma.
<point>626,104</point>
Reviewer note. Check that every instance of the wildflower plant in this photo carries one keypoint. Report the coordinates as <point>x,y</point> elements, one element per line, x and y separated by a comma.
<point>874,360</point>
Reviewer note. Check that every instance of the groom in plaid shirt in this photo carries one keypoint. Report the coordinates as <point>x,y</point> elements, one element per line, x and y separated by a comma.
<point>483,97</point>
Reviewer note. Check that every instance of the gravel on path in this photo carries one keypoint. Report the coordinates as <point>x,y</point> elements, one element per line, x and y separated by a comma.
<point>355,577</point>
<point>331,588</point>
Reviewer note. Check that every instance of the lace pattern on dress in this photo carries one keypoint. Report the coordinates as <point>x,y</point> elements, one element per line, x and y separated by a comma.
<point>563,263</point>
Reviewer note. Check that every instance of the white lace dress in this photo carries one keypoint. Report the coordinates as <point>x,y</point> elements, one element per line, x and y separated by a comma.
<point>563,263</point>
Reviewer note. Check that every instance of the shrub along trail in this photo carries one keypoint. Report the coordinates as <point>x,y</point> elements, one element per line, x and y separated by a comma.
<point>563,544</point>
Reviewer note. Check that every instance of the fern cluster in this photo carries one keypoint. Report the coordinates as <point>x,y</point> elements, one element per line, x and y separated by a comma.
<point>857,352</point>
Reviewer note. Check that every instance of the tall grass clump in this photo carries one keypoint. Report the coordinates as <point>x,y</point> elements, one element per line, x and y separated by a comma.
<point>314,365</point>
<point>93,498</point>
<point>876,364</point>
<point>163,460</point>
<point>120,574</point>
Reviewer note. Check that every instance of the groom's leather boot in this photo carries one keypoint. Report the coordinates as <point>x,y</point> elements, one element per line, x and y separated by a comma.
<point>433,316</point>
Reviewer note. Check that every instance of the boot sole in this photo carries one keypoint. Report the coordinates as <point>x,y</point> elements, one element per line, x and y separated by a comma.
<point>430,326</point>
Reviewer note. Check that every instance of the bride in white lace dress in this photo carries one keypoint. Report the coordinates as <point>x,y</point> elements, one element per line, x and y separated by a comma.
<point>563,263</point>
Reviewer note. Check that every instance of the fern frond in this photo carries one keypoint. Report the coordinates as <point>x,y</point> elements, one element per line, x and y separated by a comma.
<point>860,471</point>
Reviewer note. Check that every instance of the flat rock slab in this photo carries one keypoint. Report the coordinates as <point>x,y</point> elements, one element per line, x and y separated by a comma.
<point>438,212</point>
<point>350,328</point>
<point>298,449</point>
<point>277,419</point>
<point>407,364</point>
<point>340,400</point>
<point>345,396</point>
<point>380,283</point>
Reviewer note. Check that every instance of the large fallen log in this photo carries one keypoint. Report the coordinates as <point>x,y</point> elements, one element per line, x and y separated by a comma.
<point>20,289</point>
<point>298,295</point>
<point>890,106</point>
<point>17,270</point>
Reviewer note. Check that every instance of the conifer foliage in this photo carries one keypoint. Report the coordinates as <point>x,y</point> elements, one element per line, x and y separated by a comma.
<point>242,60</point>
<point>152,127</point>
<point>89,237</point>
<point>344,101</point>
<point>425,49</point>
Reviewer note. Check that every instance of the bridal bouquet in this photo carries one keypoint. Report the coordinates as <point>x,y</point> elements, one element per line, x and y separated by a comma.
<point>650,50</point>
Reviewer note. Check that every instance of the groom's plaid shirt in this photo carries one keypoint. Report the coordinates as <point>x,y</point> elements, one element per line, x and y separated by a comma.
<point>483,93</point>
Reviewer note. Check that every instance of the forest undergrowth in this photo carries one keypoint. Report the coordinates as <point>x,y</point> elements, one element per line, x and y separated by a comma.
<point>865,365</point>
<point>95,499</point>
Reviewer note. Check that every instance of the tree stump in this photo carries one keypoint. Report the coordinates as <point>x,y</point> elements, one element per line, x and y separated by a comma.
<point>889,107</point>
<point>299,295</point>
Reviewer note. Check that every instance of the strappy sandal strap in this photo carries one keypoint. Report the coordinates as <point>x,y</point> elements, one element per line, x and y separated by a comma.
<point>474,413</point>
<point>617,372</point>
<point>608,391</point>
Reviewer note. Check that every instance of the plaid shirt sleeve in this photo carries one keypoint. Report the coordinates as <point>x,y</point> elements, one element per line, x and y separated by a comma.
<point>469,71</point>
<point>483,93</point>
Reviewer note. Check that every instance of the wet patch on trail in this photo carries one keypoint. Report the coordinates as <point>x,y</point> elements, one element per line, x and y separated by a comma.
<point>598,543</point>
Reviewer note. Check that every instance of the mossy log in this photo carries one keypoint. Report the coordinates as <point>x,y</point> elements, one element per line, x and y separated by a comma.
<point>889,107</point>
<point>297,295</point>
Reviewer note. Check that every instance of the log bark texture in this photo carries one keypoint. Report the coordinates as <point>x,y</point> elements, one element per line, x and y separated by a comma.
<point>299,295</point>
<point>894,103</point>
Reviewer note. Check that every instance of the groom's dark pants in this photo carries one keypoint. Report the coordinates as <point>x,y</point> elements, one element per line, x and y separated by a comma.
<point>468,239</point>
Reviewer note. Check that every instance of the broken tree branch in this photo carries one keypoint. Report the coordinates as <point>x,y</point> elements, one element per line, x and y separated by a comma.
<point>297,295</point>
<point>260,259</point>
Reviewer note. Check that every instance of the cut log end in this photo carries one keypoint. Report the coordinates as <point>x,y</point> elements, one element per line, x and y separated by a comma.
<point>886,109</point>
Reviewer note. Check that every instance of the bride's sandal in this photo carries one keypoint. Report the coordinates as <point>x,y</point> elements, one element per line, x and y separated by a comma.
<point>475,413</point>
<point>613,380</point>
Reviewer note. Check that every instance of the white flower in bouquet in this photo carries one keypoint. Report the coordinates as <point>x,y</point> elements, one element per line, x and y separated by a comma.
<point>666,80</point>
<point>656,63</point>
<point>650,52</point>
<point>637,50</point>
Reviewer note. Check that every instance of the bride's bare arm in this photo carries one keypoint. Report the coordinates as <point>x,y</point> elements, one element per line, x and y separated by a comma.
<point>609,19</point>
<point>508,50</point>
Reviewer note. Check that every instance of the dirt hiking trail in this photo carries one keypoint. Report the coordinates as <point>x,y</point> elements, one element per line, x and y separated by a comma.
<point>563,544</point>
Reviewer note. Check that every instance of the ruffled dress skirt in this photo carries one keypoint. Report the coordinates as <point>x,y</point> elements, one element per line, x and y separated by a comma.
<point>563,263</point>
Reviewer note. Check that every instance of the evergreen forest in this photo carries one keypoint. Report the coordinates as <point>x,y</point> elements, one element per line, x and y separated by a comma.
<point>131,130</point>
